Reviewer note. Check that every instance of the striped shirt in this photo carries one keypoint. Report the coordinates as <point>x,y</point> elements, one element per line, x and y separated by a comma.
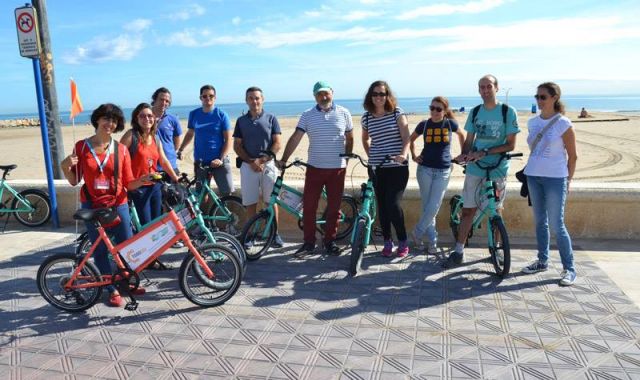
<point>326,132</point>
<point>385,136</point>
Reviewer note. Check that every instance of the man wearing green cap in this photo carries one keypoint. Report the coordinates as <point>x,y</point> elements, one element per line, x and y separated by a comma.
<point>330,130</point>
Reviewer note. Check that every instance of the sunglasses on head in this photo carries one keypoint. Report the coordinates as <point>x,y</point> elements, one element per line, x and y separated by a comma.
<point>540,97</point>
<point>437,109</point>
<point>378,94</point>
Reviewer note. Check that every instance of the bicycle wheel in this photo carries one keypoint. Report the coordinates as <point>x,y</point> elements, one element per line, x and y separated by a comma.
<point>41,204</point>
<point>255,237</point>
<point>348,214</point>
<point>55,271</point>
<point>500,251</point>
<point>204,291</point>
<point>84,245</point>
<point>358,247</point>
<point>456,214</point>
<point>234,221</point>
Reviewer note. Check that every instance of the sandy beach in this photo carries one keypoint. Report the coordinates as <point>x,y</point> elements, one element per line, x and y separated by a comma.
<point>607,148</point>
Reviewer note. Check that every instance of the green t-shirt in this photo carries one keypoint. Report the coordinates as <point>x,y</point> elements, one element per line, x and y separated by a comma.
<point>490,131</point>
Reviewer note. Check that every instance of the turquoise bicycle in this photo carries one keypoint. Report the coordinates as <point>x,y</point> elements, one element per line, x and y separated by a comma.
<point>260,231</point>
<point>30,207</point>
<point>497,237</point>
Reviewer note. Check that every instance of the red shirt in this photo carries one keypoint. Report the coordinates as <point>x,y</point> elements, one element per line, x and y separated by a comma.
<point>145,160</point>
<point>90,172</point>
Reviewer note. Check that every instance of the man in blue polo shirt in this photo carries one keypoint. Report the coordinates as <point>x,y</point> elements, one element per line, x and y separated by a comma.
<point>330,130</point>
<point>210,128</point>
<point>256,131</point>
<point>169,129</point>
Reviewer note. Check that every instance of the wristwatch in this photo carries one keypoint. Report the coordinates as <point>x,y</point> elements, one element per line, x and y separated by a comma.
<point>486,151</point>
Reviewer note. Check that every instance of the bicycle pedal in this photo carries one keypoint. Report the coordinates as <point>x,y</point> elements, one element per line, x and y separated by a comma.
<point>131,306</point>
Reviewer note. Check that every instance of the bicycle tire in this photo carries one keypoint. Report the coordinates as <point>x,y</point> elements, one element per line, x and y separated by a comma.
<point>238,216</point>
<point>255,227</point>
<point>84,245</point>
<point>358,247</point>
<point>207,292</point>
<point>349,208</point>
<point>223,238</point>
<point>501,246</point>
<point>71,301</point>
<point>455,217</point>
<point>39,200</point>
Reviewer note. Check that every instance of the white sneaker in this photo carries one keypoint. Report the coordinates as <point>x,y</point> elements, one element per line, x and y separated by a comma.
<point>417,242</point>
<point>567,278</point>
<point>432,249</point>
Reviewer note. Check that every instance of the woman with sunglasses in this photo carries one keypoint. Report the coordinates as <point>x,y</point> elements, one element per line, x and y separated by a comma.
<point>549,171</point>
<point>385,131</point>
<point>434,167</point>
<point>94,160</point>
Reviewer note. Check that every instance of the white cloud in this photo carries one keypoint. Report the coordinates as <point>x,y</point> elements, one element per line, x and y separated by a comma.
<point>191,11</point>
<point>101,49</point>
<point>138,25</point>
<point>443,9</point>
<point>236,20</point>
<point>533,33</point>
<point>360,15</point>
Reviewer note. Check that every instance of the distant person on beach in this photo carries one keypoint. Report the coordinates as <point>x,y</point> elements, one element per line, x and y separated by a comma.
<point>434,167</point>
<point>583,113</point>
<point>105,167</point>
<point>385,131</point>
<point>147,154</point>
<point>168,126</point>
<point>549,171</point>
<point>491,129</point>
<point>256,131</point>
<point>210,128</point>
<point>330,130</point>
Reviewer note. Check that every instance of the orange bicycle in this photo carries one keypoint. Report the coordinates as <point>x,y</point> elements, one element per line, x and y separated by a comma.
<point>209,276</point>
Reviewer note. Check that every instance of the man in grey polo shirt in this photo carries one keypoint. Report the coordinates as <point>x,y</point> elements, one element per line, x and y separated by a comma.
<point>330,130</point>
<point>256,131</point>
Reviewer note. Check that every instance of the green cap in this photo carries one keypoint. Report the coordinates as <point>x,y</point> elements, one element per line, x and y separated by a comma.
<point>321,86</point>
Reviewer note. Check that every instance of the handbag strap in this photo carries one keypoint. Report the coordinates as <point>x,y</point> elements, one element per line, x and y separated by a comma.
<point>542,132</point>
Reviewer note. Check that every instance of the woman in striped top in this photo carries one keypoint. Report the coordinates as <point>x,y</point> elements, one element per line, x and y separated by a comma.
<point>385,131</point>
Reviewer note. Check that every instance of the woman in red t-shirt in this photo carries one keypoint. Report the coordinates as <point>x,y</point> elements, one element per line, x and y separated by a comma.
<point>93,160</point>
<point>145,157</point>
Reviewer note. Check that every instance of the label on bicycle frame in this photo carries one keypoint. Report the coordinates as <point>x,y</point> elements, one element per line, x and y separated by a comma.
<point>291,199</point>
<point>185,216</point>
<point>148,242</point>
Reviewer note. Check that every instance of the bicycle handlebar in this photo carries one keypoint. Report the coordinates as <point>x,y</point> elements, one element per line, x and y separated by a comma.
<point>503,156</point>
<point>366,164</point>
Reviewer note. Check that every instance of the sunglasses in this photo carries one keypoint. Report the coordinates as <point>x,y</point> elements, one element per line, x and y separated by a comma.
<point>207,96</point>
<point>146,116</point>
<point>378,94</point>
<point>437,109</point>
<point>540,97</point>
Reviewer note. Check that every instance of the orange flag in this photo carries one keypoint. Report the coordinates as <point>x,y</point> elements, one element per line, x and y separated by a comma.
<point>76,103</point>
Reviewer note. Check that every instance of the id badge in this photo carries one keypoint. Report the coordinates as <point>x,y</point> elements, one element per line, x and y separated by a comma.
<point>101,183</point>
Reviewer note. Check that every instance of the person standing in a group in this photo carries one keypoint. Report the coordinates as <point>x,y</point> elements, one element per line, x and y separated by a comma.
<point>491,130</point>
<point>105,166</point>
<point>330,130</point>
<point>210,128</point>
<point>168,126</point>
<point>549,171</point>
<point>256,131</point>
<point>385,131</point>
<point>434,167</point>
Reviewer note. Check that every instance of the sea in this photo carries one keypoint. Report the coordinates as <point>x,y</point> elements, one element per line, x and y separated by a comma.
<point>624,104</point>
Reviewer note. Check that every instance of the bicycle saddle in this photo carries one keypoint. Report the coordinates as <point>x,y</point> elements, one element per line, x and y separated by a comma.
<point>8,167</point>
<point>87,215</point>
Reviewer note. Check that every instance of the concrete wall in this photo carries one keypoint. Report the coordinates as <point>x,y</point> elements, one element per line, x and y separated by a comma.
<point>594,210</point>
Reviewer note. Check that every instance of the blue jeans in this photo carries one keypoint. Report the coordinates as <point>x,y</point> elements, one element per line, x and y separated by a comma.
<point>548,197</point>
<point>120,233</point>
<point>433,184</point>
<point>148,202</point>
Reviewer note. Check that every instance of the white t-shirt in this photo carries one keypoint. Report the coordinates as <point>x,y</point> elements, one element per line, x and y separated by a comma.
<point>550,157</point>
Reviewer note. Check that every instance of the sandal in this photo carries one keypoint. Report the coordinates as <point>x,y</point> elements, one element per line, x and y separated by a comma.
<point>115,300</point>
<point>137,291</point>
<point>159,265</point>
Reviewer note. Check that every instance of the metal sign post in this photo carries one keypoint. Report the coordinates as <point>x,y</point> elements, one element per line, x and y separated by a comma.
<point>29,44</point>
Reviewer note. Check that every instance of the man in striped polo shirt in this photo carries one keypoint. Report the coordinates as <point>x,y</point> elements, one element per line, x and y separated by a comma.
<point>330,132</point>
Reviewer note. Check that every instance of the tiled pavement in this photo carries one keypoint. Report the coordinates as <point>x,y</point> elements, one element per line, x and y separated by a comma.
<point>308,320</point>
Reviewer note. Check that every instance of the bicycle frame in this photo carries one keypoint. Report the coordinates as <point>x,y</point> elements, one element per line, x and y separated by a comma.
<point>25,203</point>
<point>367,211</point>
<point>490,211</point>
<point>207,190</point>
<point>168,221</point>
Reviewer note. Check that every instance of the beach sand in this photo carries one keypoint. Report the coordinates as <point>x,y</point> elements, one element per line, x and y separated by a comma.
<point>607,148</point>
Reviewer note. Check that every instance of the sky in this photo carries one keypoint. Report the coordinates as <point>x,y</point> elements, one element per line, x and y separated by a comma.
<point>121,51</point>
